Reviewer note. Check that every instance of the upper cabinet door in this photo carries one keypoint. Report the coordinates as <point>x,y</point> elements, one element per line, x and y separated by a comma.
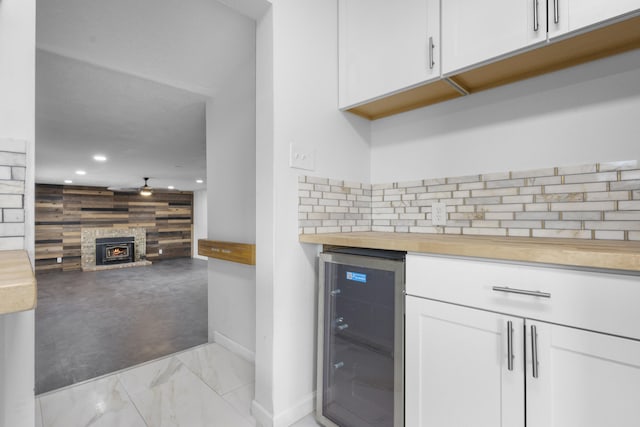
<point>583,378</point>
<point>476,31</point>
<point>566,16</point>
<point>384,47</point>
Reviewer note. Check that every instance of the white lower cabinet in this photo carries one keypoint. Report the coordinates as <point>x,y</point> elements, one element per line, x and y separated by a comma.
<point>457,373</point>
<point>584,379</point>
<point>461,333</point>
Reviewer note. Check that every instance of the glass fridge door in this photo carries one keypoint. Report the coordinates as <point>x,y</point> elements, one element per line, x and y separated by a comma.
<point>359,343</point>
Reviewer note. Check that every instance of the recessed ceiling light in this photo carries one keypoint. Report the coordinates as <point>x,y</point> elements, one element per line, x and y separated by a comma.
<point>100,158</point>
<point>81,172</point>
<point>171,187</point>
<point>68,181</point>
<point>199,181</point>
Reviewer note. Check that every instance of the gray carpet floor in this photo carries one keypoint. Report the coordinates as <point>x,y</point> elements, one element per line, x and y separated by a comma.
<point>91,323</point>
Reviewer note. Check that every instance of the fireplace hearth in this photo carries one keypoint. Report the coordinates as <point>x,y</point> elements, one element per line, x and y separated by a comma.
<point>115,250</point>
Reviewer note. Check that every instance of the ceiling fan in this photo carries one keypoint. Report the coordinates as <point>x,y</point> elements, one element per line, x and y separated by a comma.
<point>145,190</point>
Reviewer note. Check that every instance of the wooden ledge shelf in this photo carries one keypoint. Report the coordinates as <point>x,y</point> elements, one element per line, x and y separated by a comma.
<point>243,253</point>
<point>18,290</point>
<point>600,254</point>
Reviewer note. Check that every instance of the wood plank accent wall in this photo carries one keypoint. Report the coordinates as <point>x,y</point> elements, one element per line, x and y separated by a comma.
<point>62,211</point>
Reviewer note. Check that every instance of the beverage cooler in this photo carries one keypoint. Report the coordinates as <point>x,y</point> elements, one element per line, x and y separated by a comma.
<point>361,339</point>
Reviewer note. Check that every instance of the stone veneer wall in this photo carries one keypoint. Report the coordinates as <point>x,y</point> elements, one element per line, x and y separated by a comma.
<point>593,201</point>
<point>88,242</point>
<point>12,188</point>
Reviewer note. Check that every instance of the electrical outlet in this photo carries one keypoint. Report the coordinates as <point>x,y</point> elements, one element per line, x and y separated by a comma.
<point>59,260</point>
<point>301,157</point>
<point>159,251</point>
<point>439,214</point>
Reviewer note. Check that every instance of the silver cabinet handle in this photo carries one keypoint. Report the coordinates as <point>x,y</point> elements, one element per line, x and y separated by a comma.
<point>556,11</point>
<point>338,365</point>
<point>343,326</point>
<point>534,351</point>
<point>510,355</point>
<point>334,293</point>
<point>431,47</point>
<point>536,23</point>
<point>521,292</point>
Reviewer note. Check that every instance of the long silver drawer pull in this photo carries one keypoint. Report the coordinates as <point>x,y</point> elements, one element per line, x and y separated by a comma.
<point>510,345</point>
<point>521,292</point>
<point>536,23</point>
<point>556,12</point>
<point>534,351</point>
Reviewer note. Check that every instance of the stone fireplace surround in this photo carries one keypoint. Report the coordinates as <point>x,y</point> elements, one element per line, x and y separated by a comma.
<point>88,246</point>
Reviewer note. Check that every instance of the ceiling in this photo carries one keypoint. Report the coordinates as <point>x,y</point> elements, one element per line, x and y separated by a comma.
<point>129,80</point>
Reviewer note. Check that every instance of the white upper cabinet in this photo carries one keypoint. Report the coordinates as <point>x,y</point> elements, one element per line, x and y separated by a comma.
<point>476,31</point>
<point>566,16</point>
<point>384,47</point>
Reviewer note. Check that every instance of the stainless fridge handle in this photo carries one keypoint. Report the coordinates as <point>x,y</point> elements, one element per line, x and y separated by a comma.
<point>510,355</point>
<point>509,290</point>
<point>534,351</point>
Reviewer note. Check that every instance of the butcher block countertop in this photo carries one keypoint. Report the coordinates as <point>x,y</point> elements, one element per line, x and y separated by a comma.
<point>17,282</point>
<point>606,254</point>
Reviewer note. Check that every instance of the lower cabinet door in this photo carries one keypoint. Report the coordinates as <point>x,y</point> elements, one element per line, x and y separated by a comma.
<point>456,367</point>
<point>583,378</point>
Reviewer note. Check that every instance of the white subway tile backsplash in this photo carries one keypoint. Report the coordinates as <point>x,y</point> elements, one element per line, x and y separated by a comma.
<point>615,166</point>
<point>576,188</point>
<point>569,170</point>
<point>495,192</point>
<point>562,234</point>
<point>591,177</point>
<point>607,195</point>
<point>609,235</point>
<point>622,216</point>
<point>11,201</point>
<point>630,205</point>
<point>628,175</point>
<point>11,243</point>
<point>534,173</point>
<point>569,225</point>
<point>5,172</point>
<point>583,206</point>
<point>594,201</point>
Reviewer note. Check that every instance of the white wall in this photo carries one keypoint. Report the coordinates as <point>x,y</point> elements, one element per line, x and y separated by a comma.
<point>584,114</point>
<point>298,88</point>
<point>17,106</point>
<point>231,198</point>
<point>199,221</point>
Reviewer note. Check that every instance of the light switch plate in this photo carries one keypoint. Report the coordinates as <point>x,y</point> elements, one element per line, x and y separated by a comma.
<point>301,157</point>
<point>439,213</point>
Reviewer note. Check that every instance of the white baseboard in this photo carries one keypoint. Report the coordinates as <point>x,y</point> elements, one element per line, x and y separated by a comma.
<point>234,347</point>
<point>285,418</point>
<point>263,417</point>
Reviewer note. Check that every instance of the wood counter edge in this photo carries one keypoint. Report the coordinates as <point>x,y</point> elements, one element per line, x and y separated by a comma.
<point>18,285</point>
<point>600,254</point>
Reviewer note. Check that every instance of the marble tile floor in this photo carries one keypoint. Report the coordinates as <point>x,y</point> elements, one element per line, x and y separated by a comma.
<point>203,386</point>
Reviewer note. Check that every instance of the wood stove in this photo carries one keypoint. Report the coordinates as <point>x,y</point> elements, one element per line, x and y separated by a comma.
<point>115,250</point>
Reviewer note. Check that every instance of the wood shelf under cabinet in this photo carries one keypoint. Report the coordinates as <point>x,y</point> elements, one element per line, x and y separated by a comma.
<point>602,42</point>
